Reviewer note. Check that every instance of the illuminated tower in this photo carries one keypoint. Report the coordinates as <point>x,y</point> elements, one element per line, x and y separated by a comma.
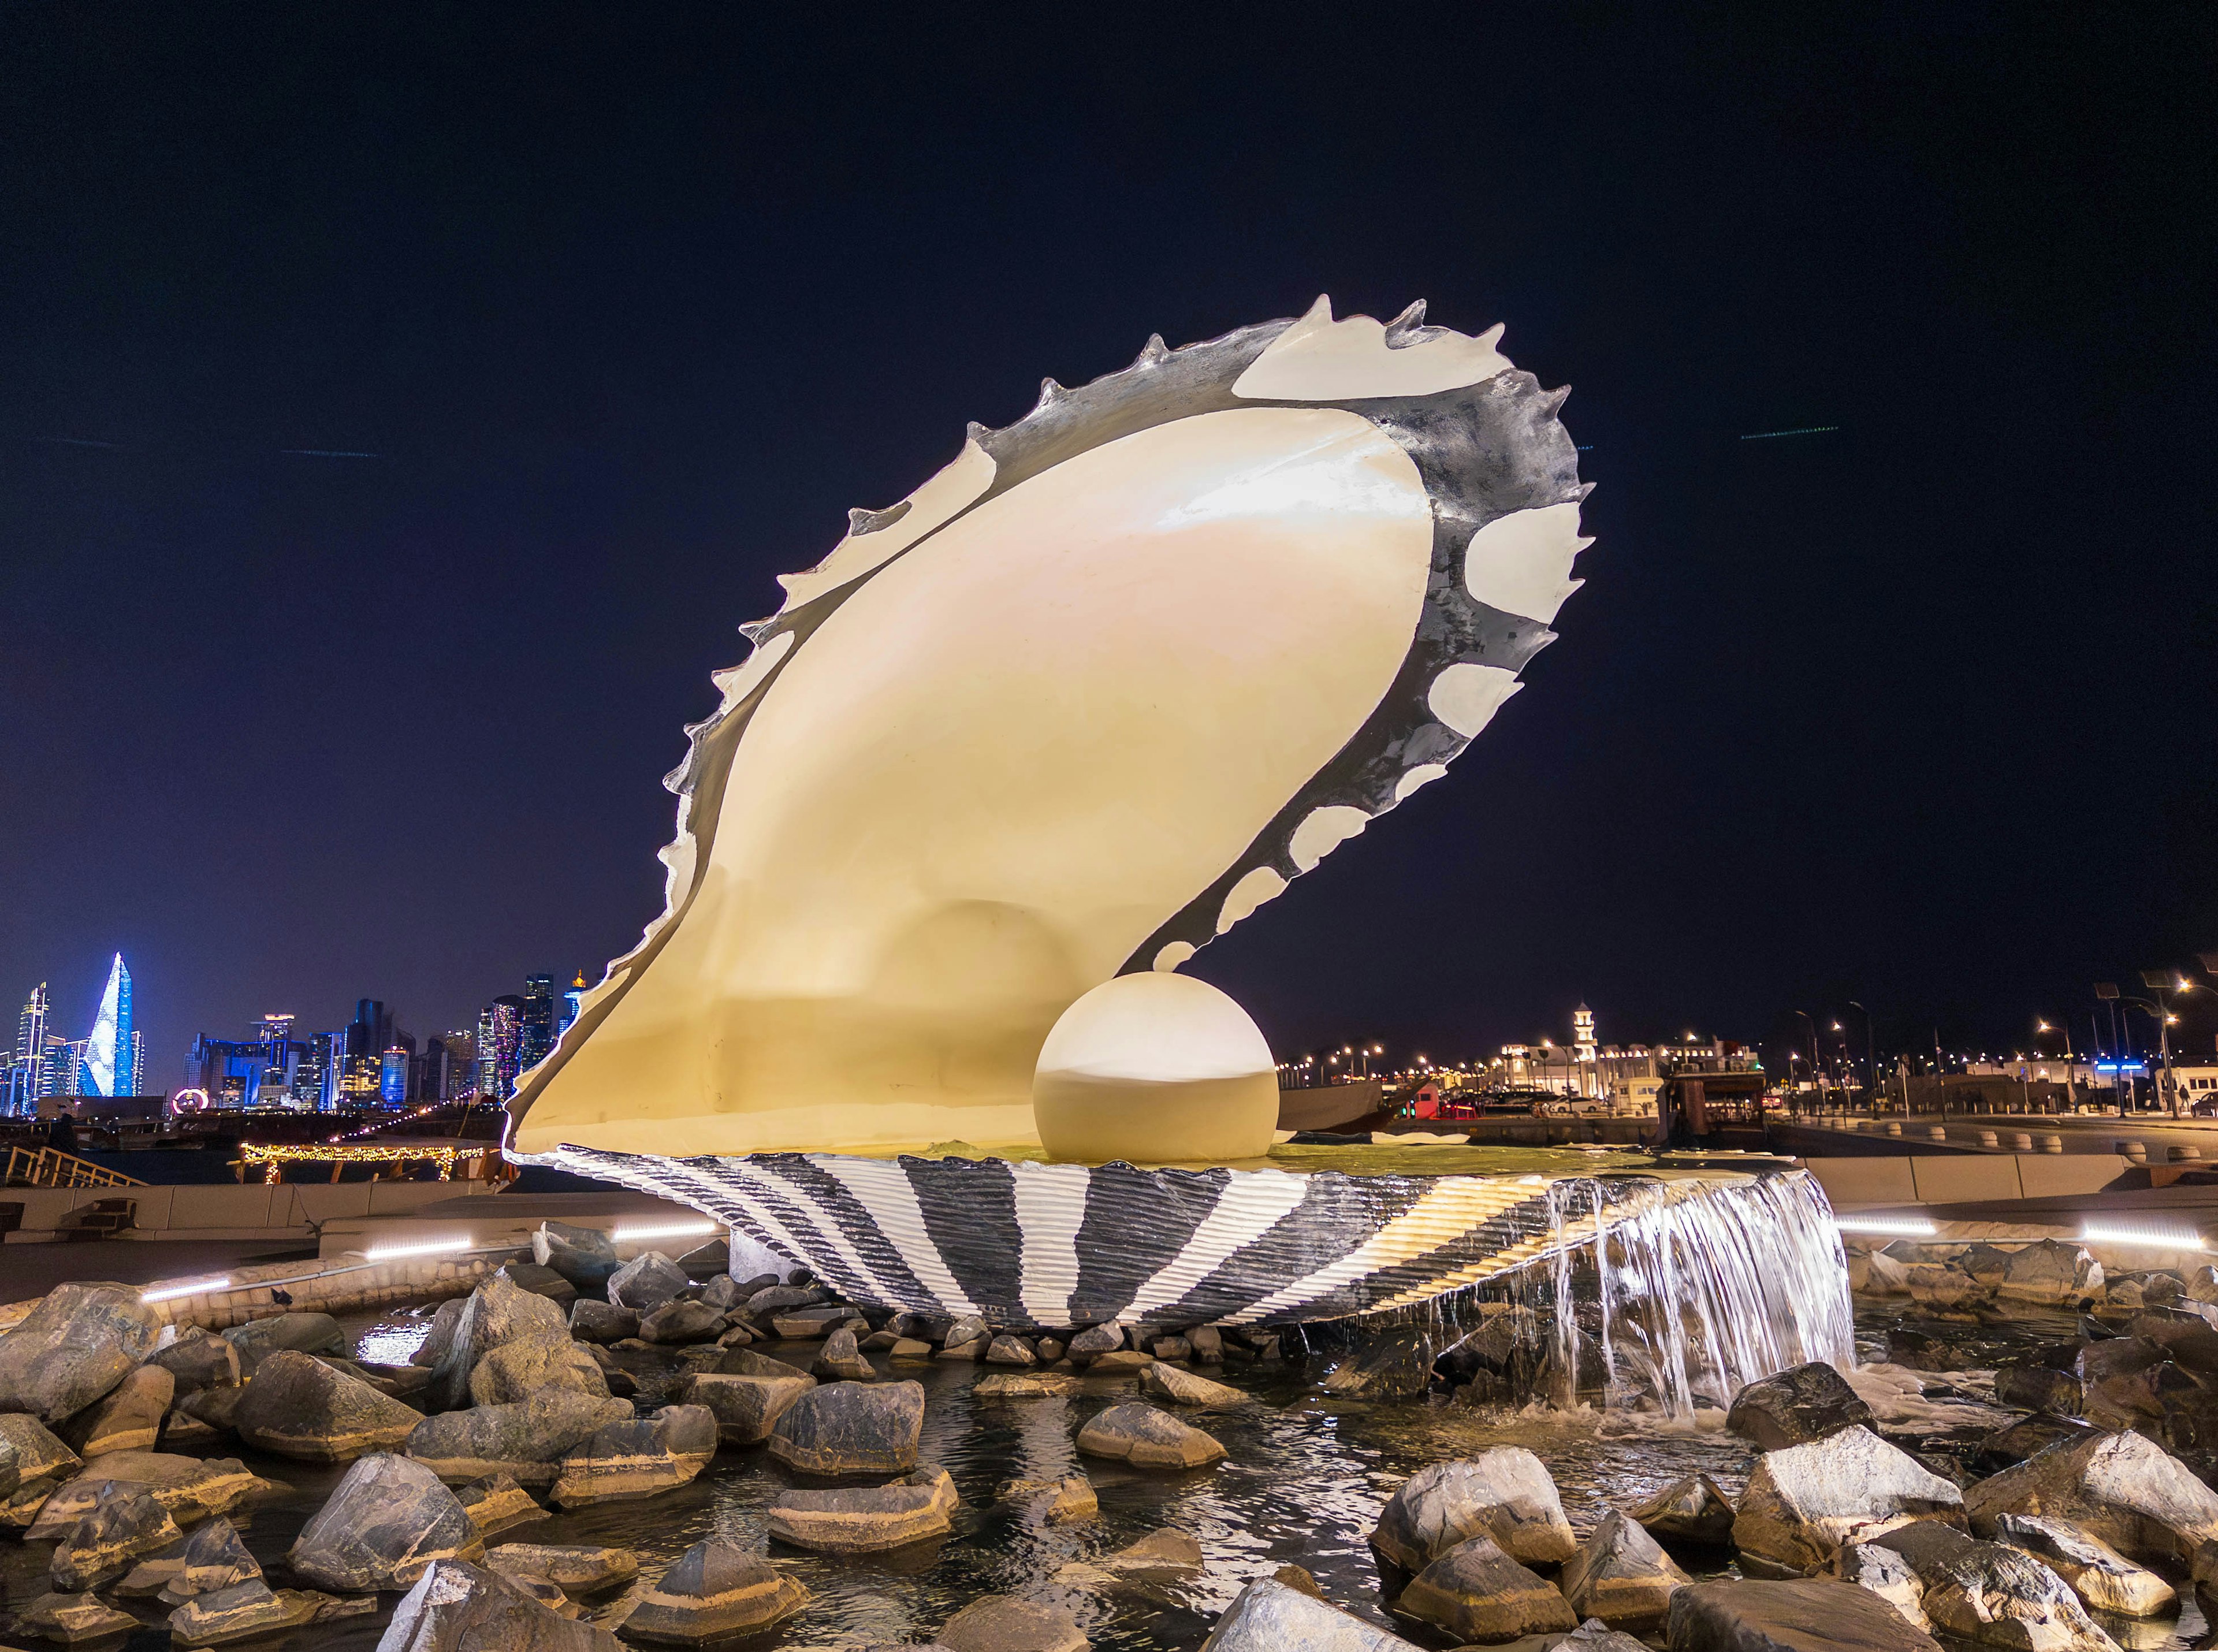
<point>108,1051</point>
<point>1583,1051</point>
<point>25,1072</point>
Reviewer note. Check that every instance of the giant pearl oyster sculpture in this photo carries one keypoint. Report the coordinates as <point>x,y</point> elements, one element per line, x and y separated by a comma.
<point>1084,701</point>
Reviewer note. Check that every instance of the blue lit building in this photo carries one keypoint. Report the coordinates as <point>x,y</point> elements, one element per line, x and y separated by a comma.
<point>110,1050</point>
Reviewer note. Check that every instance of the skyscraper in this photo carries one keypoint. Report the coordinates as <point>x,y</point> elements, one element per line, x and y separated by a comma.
<point>540,1008</point>
<point>575,992</point>
<point>27,1068</point>
<point>108,1053</point>
<point>500,1047</point>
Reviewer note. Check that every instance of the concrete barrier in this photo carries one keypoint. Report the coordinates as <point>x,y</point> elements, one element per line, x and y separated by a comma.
<point>252,1210</point>
<point>1932,1179</point>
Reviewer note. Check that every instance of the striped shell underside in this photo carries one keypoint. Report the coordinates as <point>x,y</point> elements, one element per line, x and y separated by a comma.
<point>1026,1244</point>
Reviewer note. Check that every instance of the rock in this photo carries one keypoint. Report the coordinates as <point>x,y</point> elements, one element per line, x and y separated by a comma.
<point>548,1594</point>
<point>30,1452</point>
<point>129,1419</point>
<point>771,1299</point>
<point>598,1321</point>
<point>541,1281</point>
<point>1993,1595</point>
<point>1797,1407</point>
<point>1692,1510</point>
<point>1123,1362</point>
<point>1164,1556</point>
<point>745,1408</point>
<point>79,1342</point>
<point>498,1312</point>
<point>299,1334</point>
<point>806,1324</point>
<point>252,1608</point>
<point>745,1362</point>
<point>1052,1503</point>
<point>844,1428</point>
<point>1393,1365</point>
<point>1148,1439</point>
<point>1888,1574</point>
<point>517,1371</point>
<point>638,1459</point>
<point>967,1330</point>
<point>1916,1351</point>
<point>2103,1579</point>
<point>189,1488</point>
<point>2023,1439</point>
<point>1171,1348</point>
<point>523,1441</point>
<point>910,1350</point>
<point>707,1260</point>
<point>2037,1387</point>
<point>182,1432</point>
<point>1001,1622</point>
<point>647,1282</point>
<point>584,1256</point>
<point>1208,1344</point>
<point>125,1526</point>
<point>1184,1387</point>
<point>1809,1615</point>
<point>1269,1616</point>
<point>1048,1350</point>
<point>496,1502</point>
<point>714,1589</point>
<point>387,1521</point>
<point>579,1569</point>
<point>842,1360</point>
<point>71,1619</point>
<point>1478,1593</point>
<point>458,1607</point>
<point>298,1407</point>
<point>1006,1350</point>
<point>1024,1385</point>
<point>659,1374</point>
<point>440,1339</point>
<point>213,1558</point>
<point>678,1322</point>
<point>197,1360</point>
<point>2050,1273</point>
<point>1504,1492</point>
<point>1804,1502</point>
<point>722,1293</point>
<point>1094,1341</point>
<point>865,1520</point>
<point>2122,1489</point>
<point>1620,1576</point>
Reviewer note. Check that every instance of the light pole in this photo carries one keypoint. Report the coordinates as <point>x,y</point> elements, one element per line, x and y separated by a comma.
<point>1814,1068</point>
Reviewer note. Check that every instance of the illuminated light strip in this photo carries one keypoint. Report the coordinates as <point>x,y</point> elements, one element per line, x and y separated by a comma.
<point>675,1230</point>
<point>1897,1227</point>
<point>2168,1239</point>
<point>1806,430</point>
<point>193,1290</point>
<point>386,1253</point>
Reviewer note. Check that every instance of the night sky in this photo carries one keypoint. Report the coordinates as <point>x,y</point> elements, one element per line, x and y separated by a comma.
<point>632,304</point>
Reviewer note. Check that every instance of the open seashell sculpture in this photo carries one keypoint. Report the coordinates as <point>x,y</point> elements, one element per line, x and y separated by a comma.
<point>1082,702</point>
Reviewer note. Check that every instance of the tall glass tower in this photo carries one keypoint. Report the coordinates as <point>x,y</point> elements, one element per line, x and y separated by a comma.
<point>25,1072</point>
<point>109,1052</point>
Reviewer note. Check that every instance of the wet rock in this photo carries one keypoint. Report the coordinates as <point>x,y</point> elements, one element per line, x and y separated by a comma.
<point>1888,1574</point>
<point>2037,1387</point>
<point>2188,1340</point>
<point>707,1260</point>
<point>1392,1365</point>
<point>213,1556</point>
<point>71,1619</point>
<point>31,1451</point>
<point>1181,1387</point>
<point>745,1362</point>
<point>1505,1493</point>
<point>714,1589</point>
<point>2121,1488</point>
<point>842,1360</point>
<point>1621,1575</point>
<point>908,1350</point>
<point>2050,1273</point>
<point>2022,1439</point>
<point>1994,1595</point>
<point>806,1324</point>
<point>524,1441</point>
<point>1797,1407</point>
<point>584,1256</point>
<point>198,1360</point>
<point>517,1371</point>
<point>241,1612</point>
<point>298,1407</point>
<point>1148,1439</point>
<point>1025,1385</point>
<point>774,1299</point>
<point>123,1527</point>
<point>1692,1510</point>
<point>1123,1362</point>
<point>581,1568</point>
<point>2096,1361</point>
<point>1802,1503</point>
<point>593,1320</point>
<point>844,1428</point>
<point>647,1282</point>
<point>1171,1348</point>
<point>1269,1616</point>
<point>79,1342</point>
<point>1477,1592</point>
<point>1001,1622</point>
<point>1507,1345</point>
<point>1052,1503</point>
<point>967,1330</point>
<point>189,1488</point>
<point>1164,1556</point>
<point>659,1376</point>
<point>387,1521</point>
<point>1208,1344</point>
<point>1094,1341</point>
<point>496,1502</point>
<point>865,1520</point>
<point>638,1459</point>
<point>498,1312</point>
<point>1917,1350</point>
<point>680,1321</point>
<point>458,1607</point>
<point>129,1419</point>
<point>1812,1615</point>
<point>1007,1350</point>
<point>745,1408</point>
<point>541,1281</point>
<point>2103,1579</point>
<point>299,1334</point>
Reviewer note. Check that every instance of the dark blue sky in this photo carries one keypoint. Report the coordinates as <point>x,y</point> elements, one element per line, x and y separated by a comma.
<point>633,305</point>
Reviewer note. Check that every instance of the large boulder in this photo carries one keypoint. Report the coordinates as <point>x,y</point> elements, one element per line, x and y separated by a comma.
<point>70,1619</point>
<point>584,1256</point>
<point>1803,1503</point>
<point>123,1527</point>
<point>190,1489</point>
<point>198,1360</point>
<point>129,1419</point>
<point>299,1334</point>
<point>79,1342</point>
<point>298,1407</point>
<point>2121,1488</point>
<point>1810,1615</point>
<point>647,1282</point>
<point>498,1312</point>
<point>1505,1493</point>
<point>841,1359</point>
<point>1149,1439</point>
<point>517,1371</point>
<point>1181,1386</point>
<point>244,1610</point>
<point>2051,1273</point>
<point>1272,1617</point>
<point>1994,1595</point>
<point>681,1321</point>
<point>594,1321</point>
<point>214,1557</point>
<point>1888,1574</point>
<point>496,1502</point>
<point>638,1459</point>
<point>2103,1579</point>
<point>1001,1622</point>
<point>387,1521</point>
<point>30,1452</point>
<point>1477,1593</point>
<point>2036,1385</point>
<point>842,1428</point>
<point>1164,1556</point>
<point>745,1408</point>
<point>1621,1575</point>
<point>541,1281</point>
<point>1796,1407</point>
<point>525,1440</point>
<point>865,1520</point>
<point>457,1607</point>
<point>714,1589</point>
<point>1692,1510</point>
